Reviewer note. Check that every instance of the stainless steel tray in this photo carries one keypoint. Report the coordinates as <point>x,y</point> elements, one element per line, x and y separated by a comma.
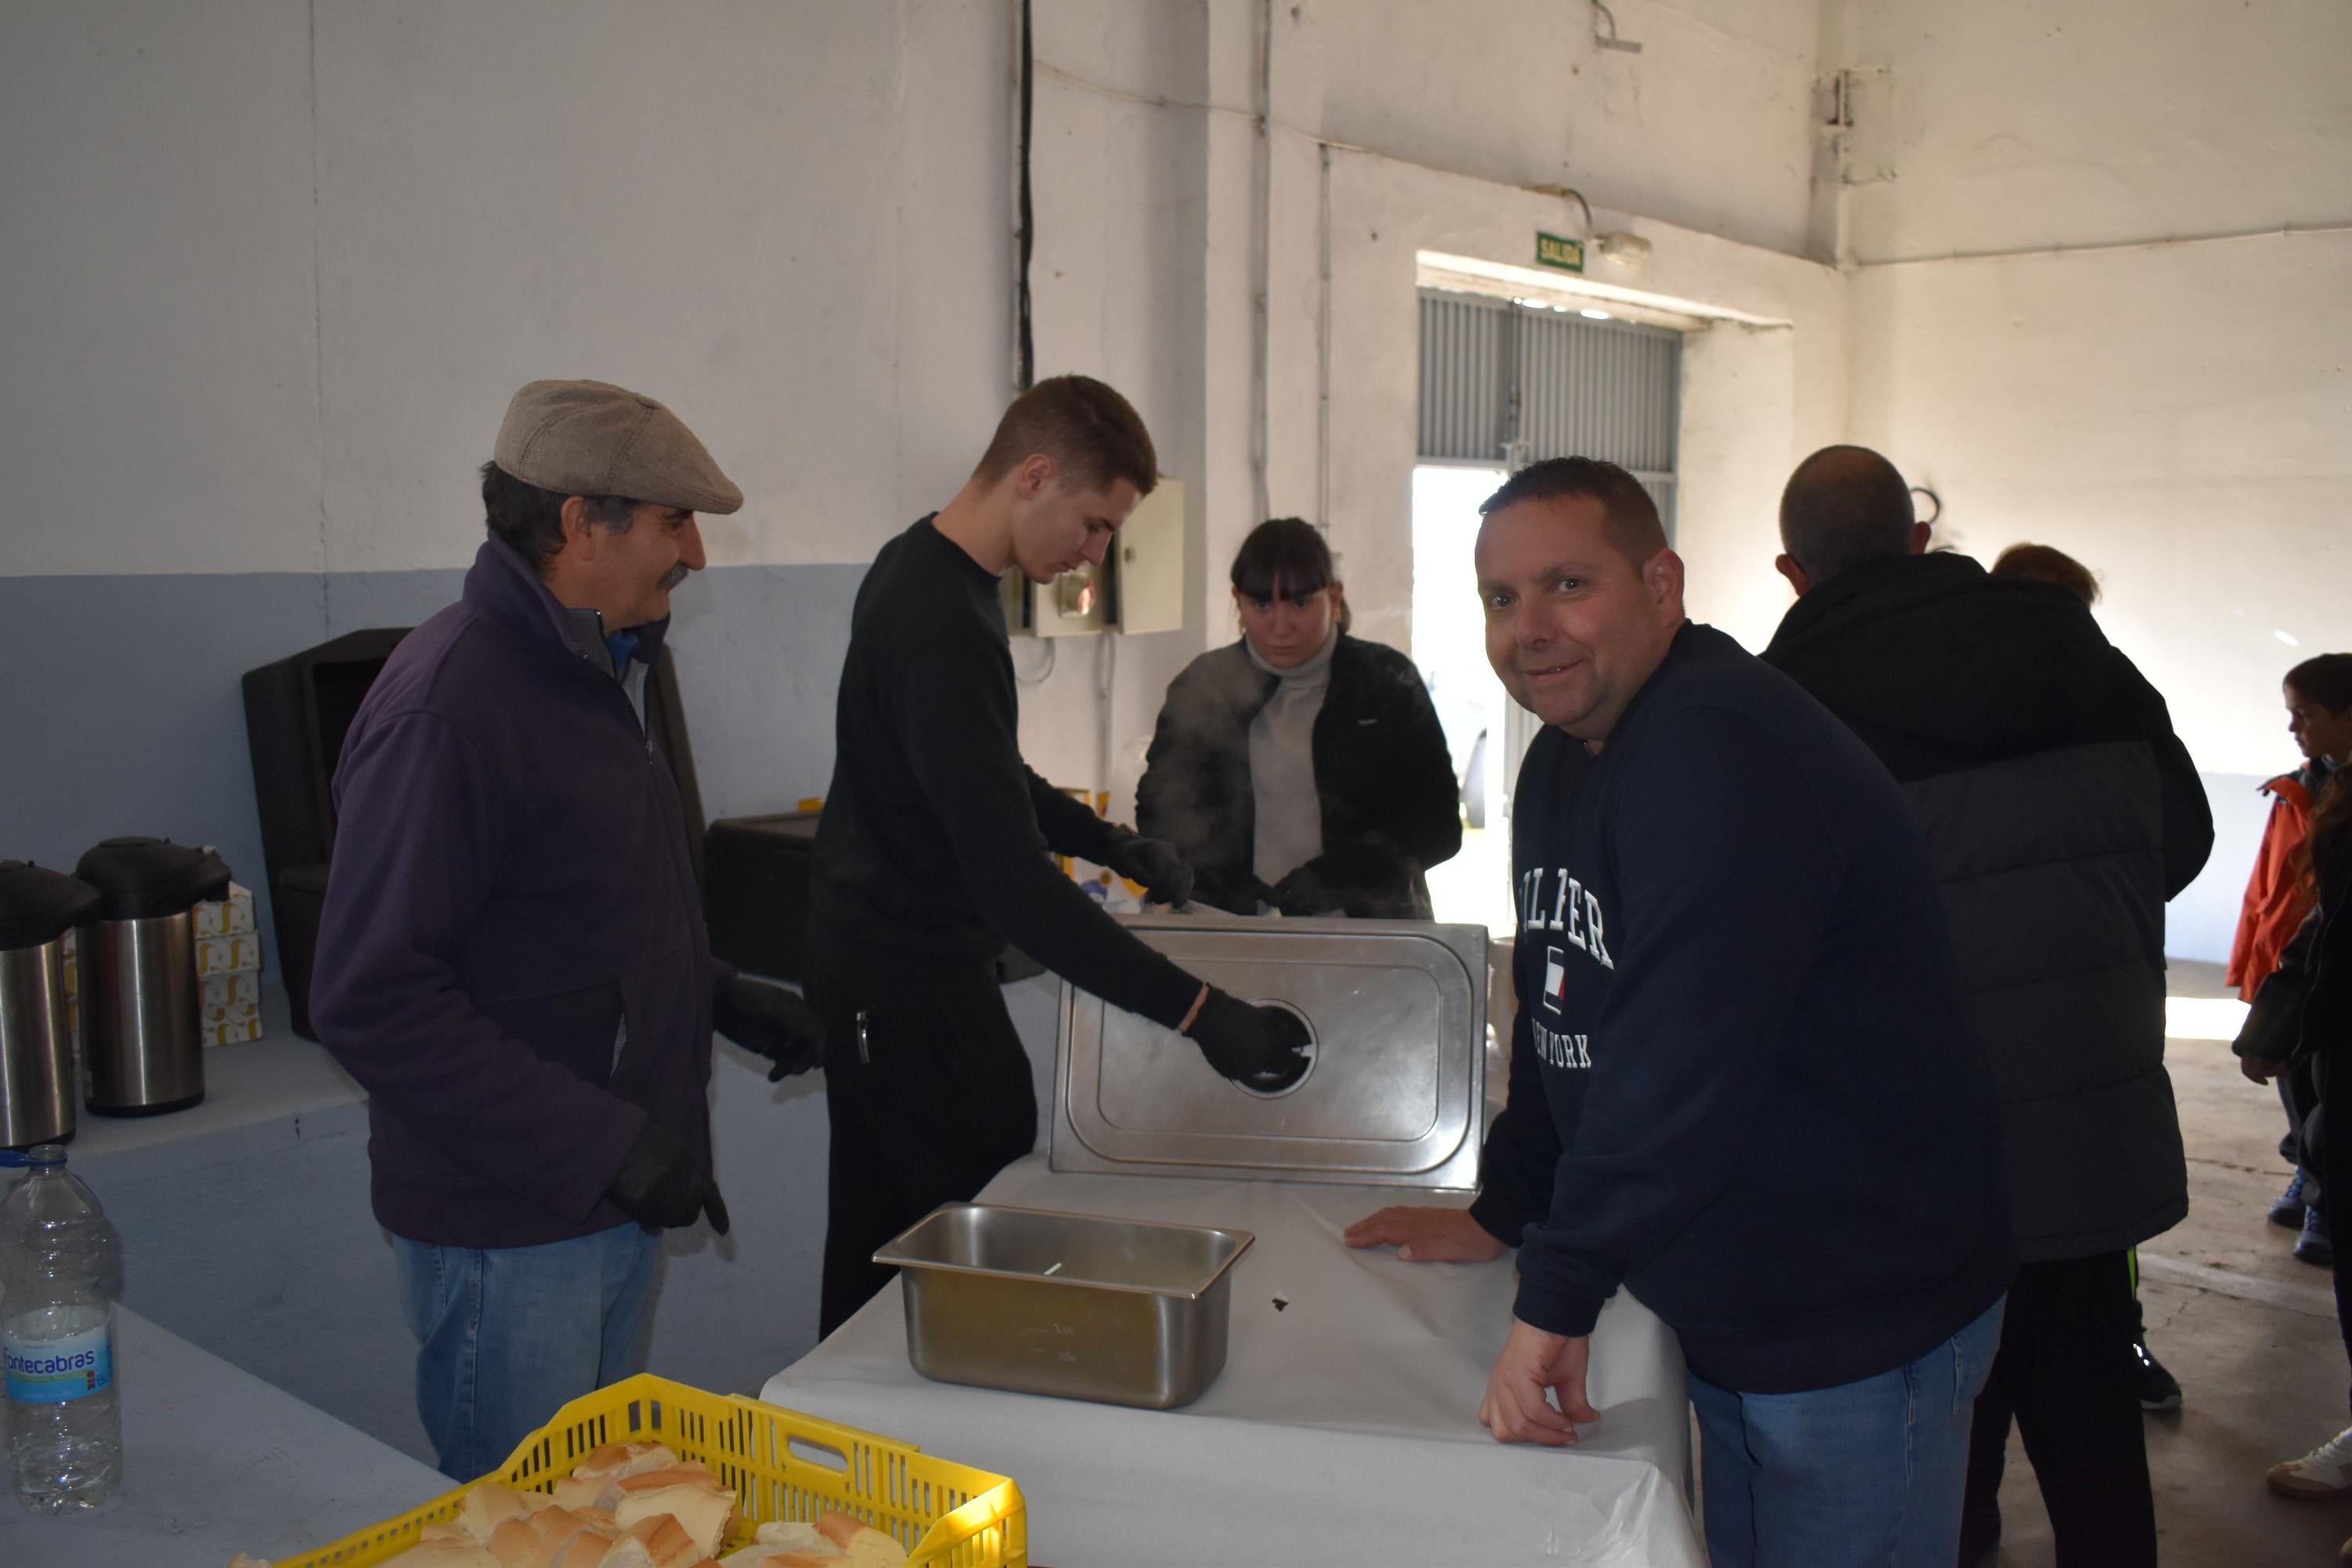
<point>1397,1013</point>
<point>1077,1306</point>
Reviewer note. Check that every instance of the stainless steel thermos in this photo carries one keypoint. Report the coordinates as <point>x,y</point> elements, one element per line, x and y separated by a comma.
<point>142,1045</point>
<point>38,909</point>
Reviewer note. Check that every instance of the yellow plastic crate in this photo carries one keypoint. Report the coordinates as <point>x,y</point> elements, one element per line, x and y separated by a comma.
<point>782,1463</point>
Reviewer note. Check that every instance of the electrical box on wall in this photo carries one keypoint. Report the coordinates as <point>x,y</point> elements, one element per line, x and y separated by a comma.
<point>1149,587</point>
<point>1139,587</point>
<point>1074,603</point>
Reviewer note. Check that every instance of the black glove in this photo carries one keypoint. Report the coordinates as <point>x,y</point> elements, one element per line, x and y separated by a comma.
<point>662,1186</point>
<point>1367,877</point>
<point>1153,862</point>
<point>2272,1029</point>
<point>768,1021</point>
<point>1263,1049</point>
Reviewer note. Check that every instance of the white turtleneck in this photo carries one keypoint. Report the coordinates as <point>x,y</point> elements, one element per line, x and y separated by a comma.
<point>1282,764</point>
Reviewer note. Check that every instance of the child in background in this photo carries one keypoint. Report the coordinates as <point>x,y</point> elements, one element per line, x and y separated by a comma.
<point>2279,895</point>
<point>2047,564</point>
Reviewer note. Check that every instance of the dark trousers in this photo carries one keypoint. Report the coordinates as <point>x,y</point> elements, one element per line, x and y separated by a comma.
<point>2064,1374</point>
<point>2332,1088</point>
<point>2300,1090</point>
<point>928,1093</point>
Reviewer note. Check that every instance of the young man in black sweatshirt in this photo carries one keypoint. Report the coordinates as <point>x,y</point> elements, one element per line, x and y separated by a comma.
<point>1742,1082</point>
<point>931,853</point>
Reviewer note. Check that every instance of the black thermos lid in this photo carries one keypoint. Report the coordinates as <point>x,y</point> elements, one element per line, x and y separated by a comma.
<point>38,905</point>
<point>139,879</point>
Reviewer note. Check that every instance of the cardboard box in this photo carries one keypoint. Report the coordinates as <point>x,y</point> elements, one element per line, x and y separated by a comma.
<point>232,1033</point>
<point>229,999</point>
<point>226,917</point>
<point>231,955</point>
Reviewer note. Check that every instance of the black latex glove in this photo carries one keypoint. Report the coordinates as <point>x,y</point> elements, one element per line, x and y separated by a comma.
<point>662,1185</point>
<point>771,1022</point>
<point>1366,877</point>
<point>1304,895</point>
<point>1153,862</point>
<point>1257,1048</point>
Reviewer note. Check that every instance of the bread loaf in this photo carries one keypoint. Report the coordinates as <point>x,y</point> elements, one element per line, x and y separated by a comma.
<point>591,1483</point>
<point>490,1504</point>
<point>658,1542</point>
<point>777,1556</point>
<point>860,1542</point>
<point>833,1537</point>
<point>551,1538</point>
<point>517,1545</point>
<point>583,1542</point>
<point>586,1548</point>
<point>687,1494</point>
<point>444,1553</point>
<point>796,1535</point>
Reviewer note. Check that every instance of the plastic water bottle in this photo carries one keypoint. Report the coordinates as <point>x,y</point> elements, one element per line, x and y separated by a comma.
<point>60,1270</point>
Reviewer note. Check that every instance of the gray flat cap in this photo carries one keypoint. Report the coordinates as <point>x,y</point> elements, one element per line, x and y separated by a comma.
<point>592,438</point>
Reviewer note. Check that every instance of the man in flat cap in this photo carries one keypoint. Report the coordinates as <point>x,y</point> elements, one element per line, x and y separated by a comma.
<point>512,961</point>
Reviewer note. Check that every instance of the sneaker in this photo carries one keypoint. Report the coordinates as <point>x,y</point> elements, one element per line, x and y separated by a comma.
<point>2287,1212</point>
<point>2158,1389</point>
<point>2312,1246</point>
<point>2326,1471</point>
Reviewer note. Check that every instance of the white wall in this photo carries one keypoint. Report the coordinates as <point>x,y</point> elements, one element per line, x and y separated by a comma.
<point>2175,415</point>
<point>2176,418</point>
<point>281,265</point>
<point>159,411</point>
<point>2015,124</point>
<point>1119,279</point>
<point>1709,126</point>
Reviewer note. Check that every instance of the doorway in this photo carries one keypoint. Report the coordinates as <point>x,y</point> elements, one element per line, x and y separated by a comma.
<point>1449,643</point>
<point>1506,383</point>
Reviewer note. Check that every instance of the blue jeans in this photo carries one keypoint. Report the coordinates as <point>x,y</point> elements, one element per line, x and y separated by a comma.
<point>1867,1473</point>
<point>506,1335</point>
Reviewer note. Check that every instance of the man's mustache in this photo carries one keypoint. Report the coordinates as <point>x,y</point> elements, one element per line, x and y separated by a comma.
<point>675,575</point>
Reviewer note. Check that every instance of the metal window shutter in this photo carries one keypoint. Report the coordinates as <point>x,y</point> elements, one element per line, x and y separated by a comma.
<point>1511,385</point>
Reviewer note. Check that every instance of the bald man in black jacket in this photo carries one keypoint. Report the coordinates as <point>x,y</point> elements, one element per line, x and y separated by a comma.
<point>2061,812</point>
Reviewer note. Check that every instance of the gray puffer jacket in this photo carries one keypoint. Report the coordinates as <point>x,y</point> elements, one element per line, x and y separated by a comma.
<point>2061,812</point>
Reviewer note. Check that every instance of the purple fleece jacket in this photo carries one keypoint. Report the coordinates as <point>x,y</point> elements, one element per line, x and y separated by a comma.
<point>509,883</point>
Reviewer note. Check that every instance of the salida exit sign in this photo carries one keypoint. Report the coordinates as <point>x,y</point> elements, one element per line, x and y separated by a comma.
<point>1553,250</point>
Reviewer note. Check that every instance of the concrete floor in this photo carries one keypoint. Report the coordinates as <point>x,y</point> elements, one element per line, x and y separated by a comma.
<point>2250,1333</point>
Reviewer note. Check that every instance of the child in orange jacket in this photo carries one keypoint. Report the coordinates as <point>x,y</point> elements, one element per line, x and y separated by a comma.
<point>2279,895</point>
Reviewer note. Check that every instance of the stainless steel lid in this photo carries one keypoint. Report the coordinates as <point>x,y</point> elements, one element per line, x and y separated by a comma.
<point>1398,1012</point>
<point>38,905</point>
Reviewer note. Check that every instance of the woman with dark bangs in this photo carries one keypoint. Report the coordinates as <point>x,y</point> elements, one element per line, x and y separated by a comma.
<point>1301,769</point>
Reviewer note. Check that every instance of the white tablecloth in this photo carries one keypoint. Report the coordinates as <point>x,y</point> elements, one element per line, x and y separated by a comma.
<point>1343,1429</point>
<point>215,1462</point>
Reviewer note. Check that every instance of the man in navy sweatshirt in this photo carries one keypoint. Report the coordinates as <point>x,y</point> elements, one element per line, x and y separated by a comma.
<point>512,961</point>
<point>1743,1084</point>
